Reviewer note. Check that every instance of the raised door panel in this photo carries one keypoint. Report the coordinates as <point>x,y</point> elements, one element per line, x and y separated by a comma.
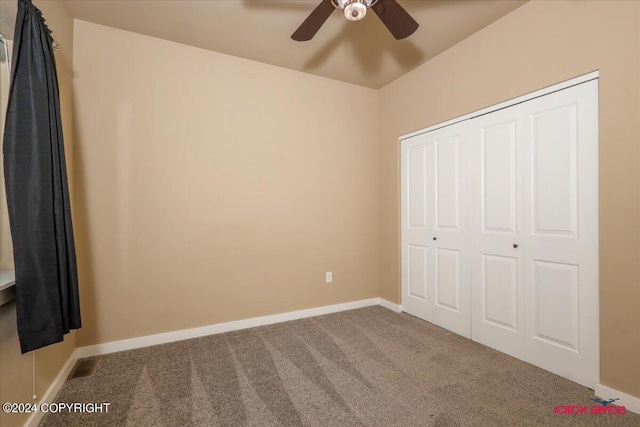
<point>447,196</point>
<point>417,186</point>
<point>448,279</point>
<point>500,291</point>
<point>417,271</point>
<point>556,304</point>
<point>554,156</point>
<point>498,183</point>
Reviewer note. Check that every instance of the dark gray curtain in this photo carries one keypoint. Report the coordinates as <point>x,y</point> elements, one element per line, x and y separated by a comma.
<point>47,301</point>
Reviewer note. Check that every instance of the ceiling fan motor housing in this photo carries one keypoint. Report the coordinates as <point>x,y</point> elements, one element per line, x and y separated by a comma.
<point>354,10</point>
<point>341,4</point>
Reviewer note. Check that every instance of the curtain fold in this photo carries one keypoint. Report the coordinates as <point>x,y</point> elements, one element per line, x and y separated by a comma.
<point>47,299</point>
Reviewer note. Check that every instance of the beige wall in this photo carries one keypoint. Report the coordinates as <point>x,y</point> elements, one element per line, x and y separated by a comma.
<point>539,44</point>
<point>213,188</point>
<point>16,369</point>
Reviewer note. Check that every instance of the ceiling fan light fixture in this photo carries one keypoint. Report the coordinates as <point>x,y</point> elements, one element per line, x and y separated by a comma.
<point>392,15</point>
<point>355,10</point>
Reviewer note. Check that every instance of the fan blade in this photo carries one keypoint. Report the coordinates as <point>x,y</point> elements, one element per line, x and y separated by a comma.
<point>312,24</point>
<point>395,18</point>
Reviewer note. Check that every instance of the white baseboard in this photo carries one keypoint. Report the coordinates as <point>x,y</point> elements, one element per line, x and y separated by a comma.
<point>631,403</point>
<point>54,388</point>
<point>218,328</point>
<point>390,305</point>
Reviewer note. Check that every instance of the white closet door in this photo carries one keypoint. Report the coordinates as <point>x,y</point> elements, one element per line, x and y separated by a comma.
<point>534,174</point>
<point>500,230</point>
<point>435,273</point>
<point>449,259</point>
<point>417,226</point>
<point>561,232</point>
<point>497,231</point>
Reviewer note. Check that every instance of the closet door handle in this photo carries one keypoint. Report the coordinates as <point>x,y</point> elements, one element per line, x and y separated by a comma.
<point>515,245</point>
<point>435,238</point>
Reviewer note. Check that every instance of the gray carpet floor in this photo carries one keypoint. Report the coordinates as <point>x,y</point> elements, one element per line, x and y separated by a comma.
<point>365,367</point>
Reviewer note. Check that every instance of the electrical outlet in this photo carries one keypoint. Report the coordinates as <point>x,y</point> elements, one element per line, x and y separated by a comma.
<point>329,277</point>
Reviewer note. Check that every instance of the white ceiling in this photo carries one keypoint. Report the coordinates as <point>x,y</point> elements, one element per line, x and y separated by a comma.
<point>362,52</point>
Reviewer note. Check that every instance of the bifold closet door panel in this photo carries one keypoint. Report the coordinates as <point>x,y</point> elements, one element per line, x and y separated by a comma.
<point>435,256</point>
<point>496,235</point>
<point>561,232</point>
<point>449,260</point>
<point>416,226</point>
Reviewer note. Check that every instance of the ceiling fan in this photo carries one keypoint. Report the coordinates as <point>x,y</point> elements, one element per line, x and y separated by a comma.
<point>392,15</point>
